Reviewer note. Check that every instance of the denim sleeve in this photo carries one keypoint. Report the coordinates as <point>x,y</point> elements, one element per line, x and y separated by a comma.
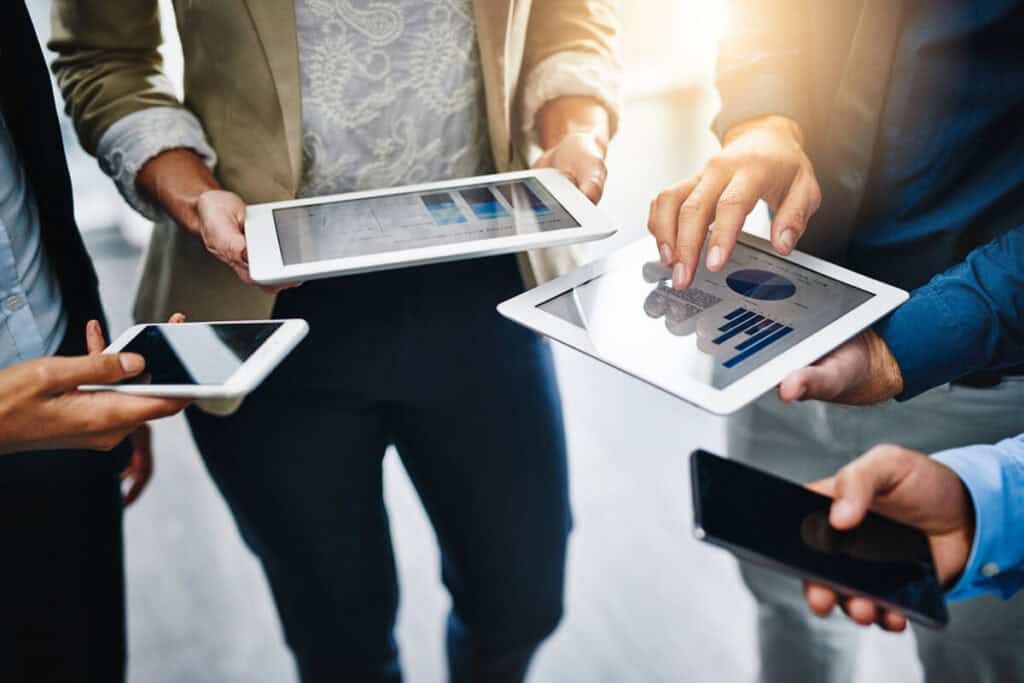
<point>967,319</point>
<point>994,477</point>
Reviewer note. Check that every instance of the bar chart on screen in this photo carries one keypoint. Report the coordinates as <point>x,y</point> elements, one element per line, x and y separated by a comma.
<point>748,333</point>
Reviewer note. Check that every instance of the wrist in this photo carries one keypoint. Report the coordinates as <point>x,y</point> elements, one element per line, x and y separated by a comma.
<point>176,179</point>
<point>884,367</point>
<point>776,125</point>
<point>573,115</point>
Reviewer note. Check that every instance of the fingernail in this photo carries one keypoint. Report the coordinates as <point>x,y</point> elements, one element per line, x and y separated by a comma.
<point>666,255</point>
<point>679,276</point>
<point>788,239</point>
<point>715,257</point>
<point>132,363</point>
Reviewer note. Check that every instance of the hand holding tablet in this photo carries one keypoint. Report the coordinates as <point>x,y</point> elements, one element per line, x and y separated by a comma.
<point>416,225</point>
<point>730,337</point>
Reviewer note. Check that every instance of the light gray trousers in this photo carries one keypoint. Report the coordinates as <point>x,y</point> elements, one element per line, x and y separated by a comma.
<point>984,642</point>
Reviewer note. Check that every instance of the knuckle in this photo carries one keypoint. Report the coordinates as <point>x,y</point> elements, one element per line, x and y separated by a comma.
<point>816,197</point>
<point>797,218</point>
<point>719,163</point>
<point>42,374</point>
<point>692,208</point>
<point>884,450</point>
<point>731,200</point>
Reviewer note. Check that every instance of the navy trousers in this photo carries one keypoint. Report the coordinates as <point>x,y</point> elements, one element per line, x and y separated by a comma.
<point>417,358</point>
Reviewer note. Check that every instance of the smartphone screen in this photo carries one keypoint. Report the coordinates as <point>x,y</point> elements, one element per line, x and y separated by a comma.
<point>769,520</point>
<point>196,354</point>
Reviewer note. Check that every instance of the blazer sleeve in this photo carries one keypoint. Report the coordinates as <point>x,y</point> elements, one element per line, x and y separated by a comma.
<point>572,48</point>
<point>762,60</point>
<point>108,64</point>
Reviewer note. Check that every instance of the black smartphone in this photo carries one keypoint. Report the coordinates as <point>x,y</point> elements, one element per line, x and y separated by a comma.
<point>781,525</point>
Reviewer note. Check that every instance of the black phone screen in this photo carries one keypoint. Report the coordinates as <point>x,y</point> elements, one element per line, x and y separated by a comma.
<point>768,519</point>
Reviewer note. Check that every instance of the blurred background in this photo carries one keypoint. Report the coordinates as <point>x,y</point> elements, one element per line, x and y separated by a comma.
<point>645,602</point>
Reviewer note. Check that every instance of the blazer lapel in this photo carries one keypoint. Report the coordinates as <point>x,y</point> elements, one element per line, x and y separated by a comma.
<point>275,25</point>
<point>492,28</point>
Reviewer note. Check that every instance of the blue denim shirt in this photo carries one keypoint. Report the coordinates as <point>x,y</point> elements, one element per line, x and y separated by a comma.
<point>948,179</point>
<point>994,477</point>
<point>32,318</point>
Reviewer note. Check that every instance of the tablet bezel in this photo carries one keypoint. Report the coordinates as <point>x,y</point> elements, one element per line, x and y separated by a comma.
<point>245,379</point>
<point>266,265</point>
<point>525,310</point>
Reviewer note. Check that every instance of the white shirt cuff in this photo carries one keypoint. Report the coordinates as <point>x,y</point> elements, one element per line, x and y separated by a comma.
<point>569,74</point>
<point>128,144</point>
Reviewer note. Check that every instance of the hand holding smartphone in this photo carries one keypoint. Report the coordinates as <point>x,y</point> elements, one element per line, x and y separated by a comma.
<point>205,360</point>
<point>769,521</point>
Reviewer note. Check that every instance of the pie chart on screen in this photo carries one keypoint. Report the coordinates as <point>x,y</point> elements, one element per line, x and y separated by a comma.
<point>761,285</point>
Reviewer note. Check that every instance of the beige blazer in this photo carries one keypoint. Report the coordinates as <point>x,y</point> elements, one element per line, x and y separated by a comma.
<point>242,81</point>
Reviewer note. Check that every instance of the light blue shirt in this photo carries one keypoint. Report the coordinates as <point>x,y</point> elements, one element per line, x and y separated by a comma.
<point>32,318</point>
<point>994,476</point>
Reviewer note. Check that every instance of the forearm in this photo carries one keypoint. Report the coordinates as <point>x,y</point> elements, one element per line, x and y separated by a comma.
<point>572,52</point>
<point>175,180</point>
<point>134,141</point>
<point>994,477</point>
<point>572,115</point>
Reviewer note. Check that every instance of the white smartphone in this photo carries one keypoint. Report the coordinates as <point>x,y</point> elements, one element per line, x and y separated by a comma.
<point>205,360</point>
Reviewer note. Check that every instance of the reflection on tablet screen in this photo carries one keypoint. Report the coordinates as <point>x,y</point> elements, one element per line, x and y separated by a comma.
<point>413,220</point>
<point>726,325</point>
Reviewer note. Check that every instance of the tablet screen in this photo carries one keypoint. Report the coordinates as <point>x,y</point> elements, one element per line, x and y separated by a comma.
<point>725,326</point>
<point>196,354</point>
<point>359,227</point>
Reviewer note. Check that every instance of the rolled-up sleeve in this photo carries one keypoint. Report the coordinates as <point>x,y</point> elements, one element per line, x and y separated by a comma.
<point>132,141</point>
<point>994,477</point>
<point>974,314</point>
<point>572,49</point>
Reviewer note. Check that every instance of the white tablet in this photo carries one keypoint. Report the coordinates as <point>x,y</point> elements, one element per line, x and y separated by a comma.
<point>205,360</point>
<point>722,343</point>
<point>363,231</point>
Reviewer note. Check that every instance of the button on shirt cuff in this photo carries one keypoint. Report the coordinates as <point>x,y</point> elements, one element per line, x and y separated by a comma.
<point>128,144</point>
<point>994,477</point>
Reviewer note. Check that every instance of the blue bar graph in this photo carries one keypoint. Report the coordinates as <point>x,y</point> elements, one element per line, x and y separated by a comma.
<point>736,329</point>
<point>760,326</point>
<point>760,346</point>
<point>744,317</point>
<point>738,311</point>
<point>764,334</point>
